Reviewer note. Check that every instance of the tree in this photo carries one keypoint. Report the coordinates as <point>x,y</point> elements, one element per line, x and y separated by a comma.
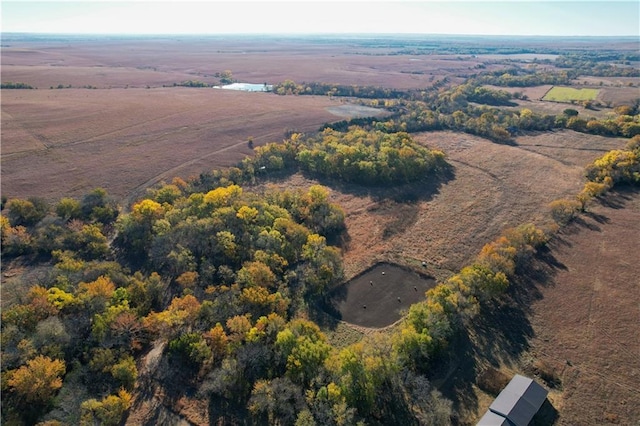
<point>254,274</point>
<point>26,212</point>
<point>176,319</point>
<point>107,412</point>
<point>38,380</point>
<point>99,207</point>
<point>96,294</point>
<point>217,340</point>
<point>589,191</point>
<point>90,243</point>
<point>483,282</point>
<point>16,240</point>
<point>277,401</point>
<point>192,348</point>
<point>564,211</point>
<point>324,265</point>
<point>51,337</point>
<point>68,208</point>
<point>304,347</point>
<point>125,372</point>
<point>226,77</point>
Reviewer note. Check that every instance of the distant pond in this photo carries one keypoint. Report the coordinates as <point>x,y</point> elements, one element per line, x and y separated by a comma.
<point>247,87</point>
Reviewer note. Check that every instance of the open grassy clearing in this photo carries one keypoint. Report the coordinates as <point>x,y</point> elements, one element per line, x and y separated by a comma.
<point>615,96</point>
<point>569,94</point>
<point>585,324</point>
<point>571,322</point>
<point>494,187</point>
<point>46,76</point>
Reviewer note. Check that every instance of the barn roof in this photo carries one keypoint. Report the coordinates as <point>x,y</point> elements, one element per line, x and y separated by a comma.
<point>492,419</point>
<point>518,402</point>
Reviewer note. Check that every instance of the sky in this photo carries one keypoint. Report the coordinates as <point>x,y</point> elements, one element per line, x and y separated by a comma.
<point>475,17</point>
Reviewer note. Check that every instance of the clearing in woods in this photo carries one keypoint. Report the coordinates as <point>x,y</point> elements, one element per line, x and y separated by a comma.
<point>379,296</point>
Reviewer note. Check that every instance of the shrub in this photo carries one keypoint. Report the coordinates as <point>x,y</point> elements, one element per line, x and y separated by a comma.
<point>107,412</point>
<point>192,348</point>
<point>492,381</point>
<point>564,211</point>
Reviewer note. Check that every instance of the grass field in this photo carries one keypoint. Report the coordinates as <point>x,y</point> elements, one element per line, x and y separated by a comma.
<point>569,94</point>
<point>586,322</point>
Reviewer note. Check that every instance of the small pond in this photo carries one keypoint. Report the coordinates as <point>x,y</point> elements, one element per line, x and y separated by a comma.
<point>379,296</point>
<point>247,87</point>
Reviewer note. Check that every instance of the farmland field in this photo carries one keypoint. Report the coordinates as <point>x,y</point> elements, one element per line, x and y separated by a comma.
<point>569,94</point>
<point>70,141</point>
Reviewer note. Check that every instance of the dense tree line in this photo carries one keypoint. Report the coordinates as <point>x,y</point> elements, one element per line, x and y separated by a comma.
<point>615,168</point>
<point>369,157</point>
<point>473,108</point>
<point>12,85</point>
<point>520,77</point>
<point>192,83</point>
<point>600,64</point>
<point>289,87</point>
<point>452,111</point>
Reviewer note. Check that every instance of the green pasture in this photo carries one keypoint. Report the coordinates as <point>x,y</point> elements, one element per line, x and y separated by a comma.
<point>569,94</point>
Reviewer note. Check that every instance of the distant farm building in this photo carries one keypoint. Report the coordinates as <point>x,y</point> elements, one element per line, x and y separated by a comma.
<point>516,405</point>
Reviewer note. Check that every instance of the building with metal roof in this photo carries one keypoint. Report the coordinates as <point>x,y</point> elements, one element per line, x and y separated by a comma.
<point>516,405</point>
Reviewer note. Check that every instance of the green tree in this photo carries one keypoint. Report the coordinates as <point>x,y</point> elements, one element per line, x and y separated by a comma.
<point>107,412</point>
<point>305,349</point>
<point>125,372</point>
<point>98,206</point>
<point>26,212</point>
<point>69,208</point>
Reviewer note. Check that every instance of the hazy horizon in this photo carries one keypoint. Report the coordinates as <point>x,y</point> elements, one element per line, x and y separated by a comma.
<point>283,18</point>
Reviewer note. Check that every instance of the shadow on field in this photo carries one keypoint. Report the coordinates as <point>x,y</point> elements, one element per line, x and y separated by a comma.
<point>495,337</point>
<point>421,190</point>
<point>618,198</point>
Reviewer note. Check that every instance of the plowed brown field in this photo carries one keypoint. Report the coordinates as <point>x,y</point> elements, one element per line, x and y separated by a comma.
<point>66,142</point>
